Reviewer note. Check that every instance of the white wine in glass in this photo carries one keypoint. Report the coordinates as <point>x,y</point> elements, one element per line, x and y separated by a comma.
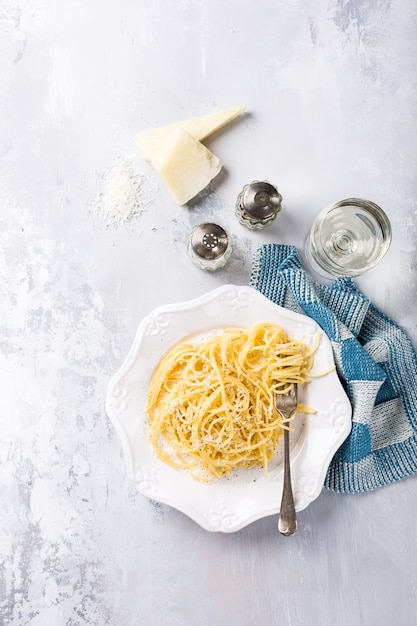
<point>349,238</point>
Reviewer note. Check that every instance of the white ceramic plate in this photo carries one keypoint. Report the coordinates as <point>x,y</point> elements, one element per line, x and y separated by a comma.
<point>230,503</point>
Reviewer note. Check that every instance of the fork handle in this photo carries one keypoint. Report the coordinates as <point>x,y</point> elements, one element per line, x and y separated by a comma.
<point>287,522</point>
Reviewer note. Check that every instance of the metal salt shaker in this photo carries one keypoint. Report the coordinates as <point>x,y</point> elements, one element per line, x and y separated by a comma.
<point>258,204</point>
<point>209,246</point>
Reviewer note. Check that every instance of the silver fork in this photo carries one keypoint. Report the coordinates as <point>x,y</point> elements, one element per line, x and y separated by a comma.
<point>286,405</point>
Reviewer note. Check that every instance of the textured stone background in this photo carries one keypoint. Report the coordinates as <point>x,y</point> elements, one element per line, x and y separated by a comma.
<point>331,92</point>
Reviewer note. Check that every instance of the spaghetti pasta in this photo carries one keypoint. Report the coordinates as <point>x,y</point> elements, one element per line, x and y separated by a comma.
<point>210,404</point>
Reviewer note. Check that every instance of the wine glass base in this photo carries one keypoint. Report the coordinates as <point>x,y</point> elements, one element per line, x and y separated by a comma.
<point>316,270</point>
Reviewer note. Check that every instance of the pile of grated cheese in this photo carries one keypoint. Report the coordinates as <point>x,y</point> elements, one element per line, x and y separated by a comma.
<point>120,193</point>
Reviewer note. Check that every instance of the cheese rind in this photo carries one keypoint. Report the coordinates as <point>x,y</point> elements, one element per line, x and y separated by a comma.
<point>184,165</point>
<point>198,127</point>
<point>205,125</point>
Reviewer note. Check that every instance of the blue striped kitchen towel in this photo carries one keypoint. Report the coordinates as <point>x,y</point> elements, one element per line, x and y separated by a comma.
<point>376,363</point>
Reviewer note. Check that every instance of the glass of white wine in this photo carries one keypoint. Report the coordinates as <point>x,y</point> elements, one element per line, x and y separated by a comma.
<point>348,238</point>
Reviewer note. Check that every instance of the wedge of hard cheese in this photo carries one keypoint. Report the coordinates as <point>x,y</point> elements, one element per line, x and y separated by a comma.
<point>184,165</point>
<point>198,127</point>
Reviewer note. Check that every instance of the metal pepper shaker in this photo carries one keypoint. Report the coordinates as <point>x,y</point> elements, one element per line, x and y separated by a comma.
<point>209,246</point>
<point>258,204</point>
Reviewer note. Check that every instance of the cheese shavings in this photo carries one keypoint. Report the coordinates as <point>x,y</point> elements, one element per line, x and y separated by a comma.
<point>120,194</point>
